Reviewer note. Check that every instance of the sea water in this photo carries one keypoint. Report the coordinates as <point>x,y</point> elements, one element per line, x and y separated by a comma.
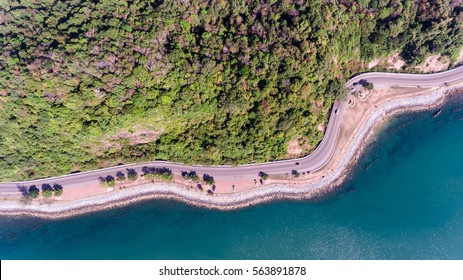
<point>403,200</point>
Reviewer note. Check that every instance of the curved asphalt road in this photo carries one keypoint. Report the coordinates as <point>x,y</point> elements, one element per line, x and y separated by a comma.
<point>422,80</point>
<point>310,163</point>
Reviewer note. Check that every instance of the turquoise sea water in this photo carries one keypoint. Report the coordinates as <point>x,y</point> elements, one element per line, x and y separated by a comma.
<point>404,201</point>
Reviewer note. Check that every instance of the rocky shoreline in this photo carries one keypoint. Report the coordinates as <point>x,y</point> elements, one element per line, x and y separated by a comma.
<point>243,199</point>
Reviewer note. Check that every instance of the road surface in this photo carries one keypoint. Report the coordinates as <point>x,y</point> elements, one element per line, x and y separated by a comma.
<point>313,162</point>
<point>411,80</point>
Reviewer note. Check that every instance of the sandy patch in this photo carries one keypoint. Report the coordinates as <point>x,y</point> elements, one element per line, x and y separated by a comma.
<point>394,61</point>
<point>135,138</point>
<point>293,147</point>
<point>434,63</point>
<point>373,63</point>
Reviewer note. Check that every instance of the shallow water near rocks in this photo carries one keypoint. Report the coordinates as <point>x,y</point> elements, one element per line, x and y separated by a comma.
<point>404,200</point>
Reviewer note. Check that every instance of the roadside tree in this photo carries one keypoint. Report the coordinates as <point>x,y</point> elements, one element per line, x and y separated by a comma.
<point>47,191</point>
<point>132,174</point>
<point>58,190</point>
<point>120,176</point>
<point>208,179</point>
<point>263,175</point>
<point>33,192</point>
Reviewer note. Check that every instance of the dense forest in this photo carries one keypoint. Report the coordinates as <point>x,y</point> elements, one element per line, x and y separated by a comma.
<point>92,83</point>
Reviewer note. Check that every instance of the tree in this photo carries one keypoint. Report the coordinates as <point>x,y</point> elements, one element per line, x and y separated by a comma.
<point>102,181</point>
<point>33,192</point>
<point>186,175</point>
<point>110,181</point>
<point>47,191</point>
<point>263,175</point>
<point>368,85</point>
<point>295,173</point>
<point>192,175</point>
<point>120,176</point>
<point>58,190</point>
<point>24,191</point>
<point>208,179</point>
<point>132,174</point>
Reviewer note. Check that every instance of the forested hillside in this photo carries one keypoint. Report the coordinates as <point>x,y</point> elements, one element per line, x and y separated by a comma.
<point>86,84</point>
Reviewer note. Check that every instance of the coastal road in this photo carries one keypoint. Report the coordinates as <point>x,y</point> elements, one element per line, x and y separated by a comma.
<point>313,162</point>
<point>411,80</point>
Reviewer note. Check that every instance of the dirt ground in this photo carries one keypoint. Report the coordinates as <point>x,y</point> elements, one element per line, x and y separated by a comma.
<point>434,63</point>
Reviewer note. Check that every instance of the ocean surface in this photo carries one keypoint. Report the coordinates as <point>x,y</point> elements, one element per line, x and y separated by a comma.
<point>404,200</point>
